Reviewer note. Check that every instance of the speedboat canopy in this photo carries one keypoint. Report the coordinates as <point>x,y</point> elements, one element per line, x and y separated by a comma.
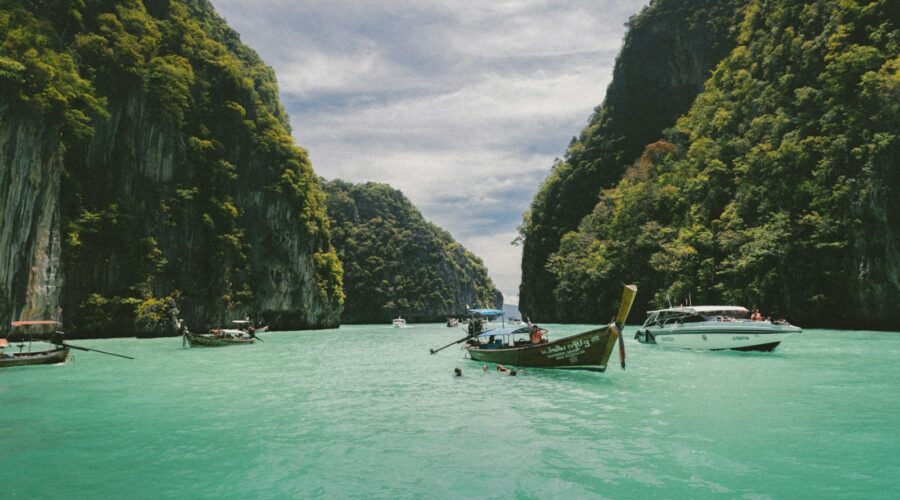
<point>505,331</point>
<point>488,313</point>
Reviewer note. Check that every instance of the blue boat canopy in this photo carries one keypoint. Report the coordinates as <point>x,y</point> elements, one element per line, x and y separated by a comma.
<point>492,313</point>
<point>506,331</point>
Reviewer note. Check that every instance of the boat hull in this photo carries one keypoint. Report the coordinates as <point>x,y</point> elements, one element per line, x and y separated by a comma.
<point>744,336</point>
<point>585,351</point>
<point>208,340</point>
<point>35,358</point>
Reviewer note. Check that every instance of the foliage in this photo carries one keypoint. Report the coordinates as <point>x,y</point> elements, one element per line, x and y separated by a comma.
<point>397,263</point>
<point>177,152</point>
<point>668,52</point>
<point>779,185</point>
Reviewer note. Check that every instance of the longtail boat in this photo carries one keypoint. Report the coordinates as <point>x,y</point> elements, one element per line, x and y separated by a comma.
<point>58,354</point>
<point>216,338</point>
<point>529,346</point>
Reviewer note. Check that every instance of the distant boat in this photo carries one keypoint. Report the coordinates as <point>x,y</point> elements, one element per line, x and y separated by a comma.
<point>529,346</point>
<point>452,322</point>
<point>712,328</point>
<point>245,325</point>
<point>217,337</point>
<point>399,323</point>
<point>58,354</point>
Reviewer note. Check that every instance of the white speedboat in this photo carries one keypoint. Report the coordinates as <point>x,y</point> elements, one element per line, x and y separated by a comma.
<point>399,323</point>
<point>712,327</point>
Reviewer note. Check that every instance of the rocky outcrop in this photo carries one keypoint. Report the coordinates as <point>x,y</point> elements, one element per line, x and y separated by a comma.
<point>30,265</point>
<point>776,189</point>
<point>397,263</point>
<point>153,176</point>
<point>669,51</point>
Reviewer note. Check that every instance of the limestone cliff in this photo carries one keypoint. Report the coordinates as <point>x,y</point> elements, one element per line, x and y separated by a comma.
<point>777,188</point>
<point>397,263</point>
<point>147,162</point>
<point>30,267</point>
<point>670,49</point>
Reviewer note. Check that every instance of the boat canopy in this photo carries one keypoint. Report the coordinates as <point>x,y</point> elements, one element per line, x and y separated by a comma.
<point>241,321</point>
<point>703,310</point>
<point>505,331</point>
<point>490,313</point>
<point>33,323</point>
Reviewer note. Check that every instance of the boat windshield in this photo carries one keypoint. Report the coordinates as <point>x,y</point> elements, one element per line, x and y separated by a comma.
<point>695,314</point>
<point>727,313</point>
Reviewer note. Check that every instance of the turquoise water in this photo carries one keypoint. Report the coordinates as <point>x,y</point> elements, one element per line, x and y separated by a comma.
<point>364,411</point>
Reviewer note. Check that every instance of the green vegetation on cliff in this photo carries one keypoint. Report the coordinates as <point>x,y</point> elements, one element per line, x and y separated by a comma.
<point>669,51</point>
<point>779,188</point>
<point>396,262</point>
<point>180,178</point>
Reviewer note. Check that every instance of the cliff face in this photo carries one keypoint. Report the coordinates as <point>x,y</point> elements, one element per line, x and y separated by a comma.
<point>669,51</point>
<point>777,188</point>
<point>156,170</point>
<point>30,270</point>
<point>397,263</point>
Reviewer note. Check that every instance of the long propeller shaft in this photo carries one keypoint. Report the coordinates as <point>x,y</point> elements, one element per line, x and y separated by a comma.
<point>70,346</point>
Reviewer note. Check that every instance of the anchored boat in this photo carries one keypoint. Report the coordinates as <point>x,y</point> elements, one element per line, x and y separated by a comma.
<point>712,328</point>
<point>22,358</point>
<point>217,337</point>
<point>58,354</point>
<point>529,345</point>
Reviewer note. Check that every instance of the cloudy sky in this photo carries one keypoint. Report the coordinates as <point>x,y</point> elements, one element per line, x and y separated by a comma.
<point>462,105</point>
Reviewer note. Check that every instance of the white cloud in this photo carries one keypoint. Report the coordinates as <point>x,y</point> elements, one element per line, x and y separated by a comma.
<point>461,105</point>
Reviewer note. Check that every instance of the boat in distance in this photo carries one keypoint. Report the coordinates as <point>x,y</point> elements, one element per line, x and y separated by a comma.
<point>216,338</point>
<point>248,326</point>
<point>713,328</point>
<point>399,322</point>
<point>528,345</point>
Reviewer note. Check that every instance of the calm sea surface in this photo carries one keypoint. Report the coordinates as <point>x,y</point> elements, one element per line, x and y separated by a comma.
<point>365,411</point>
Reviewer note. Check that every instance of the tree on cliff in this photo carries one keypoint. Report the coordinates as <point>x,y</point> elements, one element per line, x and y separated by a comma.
<point>777,188</point>
<point>177,175</point>
<point>669,51</point>
<point>397,263</point>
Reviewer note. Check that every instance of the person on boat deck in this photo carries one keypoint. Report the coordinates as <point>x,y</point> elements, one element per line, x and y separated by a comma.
<point>536,337</point>
<point>475,327</point>
<point>756,316</point>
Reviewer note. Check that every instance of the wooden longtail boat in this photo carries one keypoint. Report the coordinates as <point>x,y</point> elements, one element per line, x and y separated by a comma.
<point>220,339</point>
<point>48,357</point>
<point>589,350</point>
<point>58,354</point>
